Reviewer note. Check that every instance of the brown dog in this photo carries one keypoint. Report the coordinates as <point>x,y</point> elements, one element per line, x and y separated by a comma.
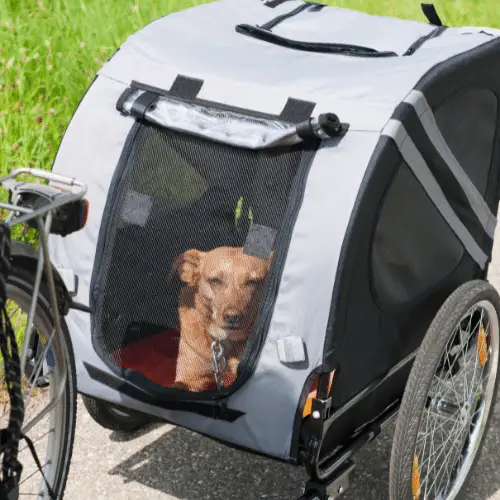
<point>219,301</point>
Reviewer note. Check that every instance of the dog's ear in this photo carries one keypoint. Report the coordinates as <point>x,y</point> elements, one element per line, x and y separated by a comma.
<point>188,265</point>
<point>189,270</point>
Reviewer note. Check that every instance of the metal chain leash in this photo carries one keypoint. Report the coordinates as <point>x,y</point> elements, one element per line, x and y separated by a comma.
<point>220,363</point>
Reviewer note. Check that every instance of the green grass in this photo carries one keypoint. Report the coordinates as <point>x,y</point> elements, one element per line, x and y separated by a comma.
<point>50,52</point>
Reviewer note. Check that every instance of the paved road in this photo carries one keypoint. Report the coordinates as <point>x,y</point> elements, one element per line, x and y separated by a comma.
<point>166,463</point>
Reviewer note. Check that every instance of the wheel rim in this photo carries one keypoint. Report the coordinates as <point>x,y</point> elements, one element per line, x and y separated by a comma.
<point>46,409</point>
<point>458,405</point>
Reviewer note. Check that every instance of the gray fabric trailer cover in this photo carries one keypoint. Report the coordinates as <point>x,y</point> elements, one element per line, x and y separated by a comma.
<point>244,72</point>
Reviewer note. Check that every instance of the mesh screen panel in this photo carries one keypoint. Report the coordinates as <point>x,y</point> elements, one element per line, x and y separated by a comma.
<point>413,247</point>
<point>173,271</point>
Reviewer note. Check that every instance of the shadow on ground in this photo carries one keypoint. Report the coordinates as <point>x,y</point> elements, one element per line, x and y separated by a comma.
<point>187,466</point>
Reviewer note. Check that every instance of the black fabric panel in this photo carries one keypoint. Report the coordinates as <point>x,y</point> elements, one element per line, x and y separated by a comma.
<point>363,338</point>
<point>470,140</point>
<point>413,248</point>
<point>185,87</point>
<point>366,409</point>
<point>470,70</point>
<point>451,188</point>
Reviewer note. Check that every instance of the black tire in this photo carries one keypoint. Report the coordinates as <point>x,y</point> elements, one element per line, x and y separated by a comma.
<point>114,417</point>
<point>426,364</point>
<point>20,290</point>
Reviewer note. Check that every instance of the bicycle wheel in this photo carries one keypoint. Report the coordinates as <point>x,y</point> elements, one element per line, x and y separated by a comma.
<point>448,400</point>
<point>50,412</point>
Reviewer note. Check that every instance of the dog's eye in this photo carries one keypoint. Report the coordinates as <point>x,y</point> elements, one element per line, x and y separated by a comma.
<point>215,281</point>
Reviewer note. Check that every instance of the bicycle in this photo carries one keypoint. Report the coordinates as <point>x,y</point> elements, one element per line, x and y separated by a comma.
<point>35,300</point>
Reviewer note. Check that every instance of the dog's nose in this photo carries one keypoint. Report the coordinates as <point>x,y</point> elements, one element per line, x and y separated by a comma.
<point>232,318</point>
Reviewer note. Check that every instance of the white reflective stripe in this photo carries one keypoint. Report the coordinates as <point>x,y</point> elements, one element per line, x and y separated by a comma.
<point>415,161</point>
<point>477,202</point>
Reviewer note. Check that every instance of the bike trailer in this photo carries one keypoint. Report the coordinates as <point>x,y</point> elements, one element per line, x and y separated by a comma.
<point>282,195</point>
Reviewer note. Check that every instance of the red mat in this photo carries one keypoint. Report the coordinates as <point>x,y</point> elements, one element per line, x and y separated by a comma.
<point>155,357</point>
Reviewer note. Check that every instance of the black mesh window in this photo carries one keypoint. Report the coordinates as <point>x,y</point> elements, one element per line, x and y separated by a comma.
<point>173,276</point>
<point>413,247</point>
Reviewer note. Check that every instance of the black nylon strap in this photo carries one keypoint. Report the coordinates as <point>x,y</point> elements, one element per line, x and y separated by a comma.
<point>277,20</point>
<point>431,14</point>
<point>318,47</point>
<point>142,103</point>
<point>417,44</point>
<point>272,4</point>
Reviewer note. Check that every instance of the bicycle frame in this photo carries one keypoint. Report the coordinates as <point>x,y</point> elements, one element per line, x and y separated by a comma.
<point>19,215</point>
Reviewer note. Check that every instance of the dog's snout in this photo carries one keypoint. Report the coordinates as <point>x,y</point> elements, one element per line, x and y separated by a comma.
<point>232,318</point>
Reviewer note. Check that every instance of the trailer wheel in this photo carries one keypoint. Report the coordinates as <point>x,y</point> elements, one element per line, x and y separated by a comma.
<point>114,417</point>
<point>449,398</point>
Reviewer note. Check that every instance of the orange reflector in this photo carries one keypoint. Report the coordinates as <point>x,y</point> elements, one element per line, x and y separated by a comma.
<point>313,393</point>
<point>482,347</point>
<point>415,479</point>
